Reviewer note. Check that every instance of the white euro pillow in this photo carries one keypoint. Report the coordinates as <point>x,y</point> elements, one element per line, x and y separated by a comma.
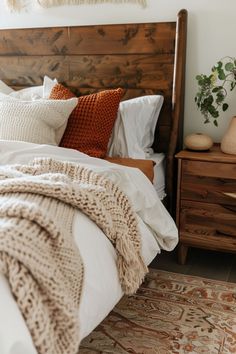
<point>133,131</point>
<point>30,93</point>
<point>5,88</point>
<point>48,85</point>
<point>35,121</point>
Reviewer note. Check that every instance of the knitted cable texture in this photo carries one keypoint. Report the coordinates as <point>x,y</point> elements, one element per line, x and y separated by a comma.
<point>36,121</point>
<point>37,250</point>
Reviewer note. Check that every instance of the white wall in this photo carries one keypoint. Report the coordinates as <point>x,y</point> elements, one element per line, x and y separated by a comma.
<point>211,36</point>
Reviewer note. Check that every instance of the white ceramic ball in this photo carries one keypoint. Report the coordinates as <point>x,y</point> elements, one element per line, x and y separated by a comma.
<point>198,142</point>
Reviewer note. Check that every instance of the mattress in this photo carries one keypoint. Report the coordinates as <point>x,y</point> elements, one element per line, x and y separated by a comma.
<point>101,289</point>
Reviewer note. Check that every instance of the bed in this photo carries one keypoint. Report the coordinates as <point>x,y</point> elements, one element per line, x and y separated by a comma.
<point>142,59</point>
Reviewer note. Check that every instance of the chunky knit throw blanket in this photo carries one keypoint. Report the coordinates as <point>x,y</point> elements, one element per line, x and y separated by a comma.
<point>37,250</point>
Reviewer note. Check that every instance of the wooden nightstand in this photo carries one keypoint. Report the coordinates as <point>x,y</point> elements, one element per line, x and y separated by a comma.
<point>206,201</point>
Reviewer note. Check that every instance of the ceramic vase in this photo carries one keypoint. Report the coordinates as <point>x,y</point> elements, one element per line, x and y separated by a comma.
<point>228,142</point>
<point>198,142</point>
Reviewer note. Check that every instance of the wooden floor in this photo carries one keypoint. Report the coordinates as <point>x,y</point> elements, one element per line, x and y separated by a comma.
<point>208,264</point>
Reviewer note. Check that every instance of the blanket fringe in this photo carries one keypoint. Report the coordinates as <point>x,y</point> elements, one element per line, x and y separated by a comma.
<point>130,265</point>
<point>50,3</point>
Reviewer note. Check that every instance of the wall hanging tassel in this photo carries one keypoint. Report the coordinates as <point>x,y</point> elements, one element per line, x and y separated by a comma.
<point>14,5</point>
<point>50,3</point>
<point>17,5</point>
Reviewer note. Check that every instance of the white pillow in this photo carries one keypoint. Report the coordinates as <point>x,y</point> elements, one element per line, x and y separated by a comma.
<point>30,93</point>
<point>133,132</point>
<point>33,121</point>
<point>48,85</point>
<point>5,89</point>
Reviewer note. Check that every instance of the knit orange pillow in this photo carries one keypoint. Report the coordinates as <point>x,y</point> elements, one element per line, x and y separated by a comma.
<point>90,124</point>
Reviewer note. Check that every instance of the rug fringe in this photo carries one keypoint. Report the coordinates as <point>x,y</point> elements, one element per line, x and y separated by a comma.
<point>50,3</point>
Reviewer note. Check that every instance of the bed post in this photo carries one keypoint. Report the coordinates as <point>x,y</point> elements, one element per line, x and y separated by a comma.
<point>176,135</point>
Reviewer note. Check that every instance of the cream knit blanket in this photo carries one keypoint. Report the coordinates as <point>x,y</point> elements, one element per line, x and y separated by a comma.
<point>37,250</point>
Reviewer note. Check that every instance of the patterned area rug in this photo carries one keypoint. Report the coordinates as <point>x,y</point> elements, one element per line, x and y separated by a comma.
<point>171,313</point>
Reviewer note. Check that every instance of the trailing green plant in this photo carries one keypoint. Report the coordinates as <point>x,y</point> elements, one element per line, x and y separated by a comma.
<point>212,89</point>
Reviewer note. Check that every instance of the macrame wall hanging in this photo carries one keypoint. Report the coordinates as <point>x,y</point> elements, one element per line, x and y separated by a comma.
<point>49,3</point>
<point>17,5</point>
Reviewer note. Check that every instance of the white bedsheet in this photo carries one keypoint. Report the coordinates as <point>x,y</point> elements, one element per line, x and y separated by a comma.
<point>159,173</point>
<point>100,293</point>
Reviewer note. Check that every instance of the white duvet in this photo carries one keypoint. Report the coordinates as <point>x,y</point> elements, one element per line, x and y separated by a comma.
<point>100,293</point>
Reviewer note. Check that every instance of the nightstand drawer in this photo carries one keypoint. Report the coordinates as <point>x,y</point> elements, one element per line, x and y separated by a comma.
<point>209,182</point>
<point>205,219</point>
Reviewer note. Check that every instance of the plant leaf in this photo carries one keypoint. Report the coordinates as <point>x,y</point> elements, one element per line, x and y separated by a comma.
<point>232,85</point>
<point>225,107</point>
<point>221,74</point>
<point>213,111</point>
<point>198,77</point>
<point>229,66</point>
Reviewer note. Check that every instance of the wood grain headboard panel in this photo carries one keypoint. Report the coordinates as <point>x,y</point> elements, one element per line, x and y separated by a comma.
<point>143,59</point>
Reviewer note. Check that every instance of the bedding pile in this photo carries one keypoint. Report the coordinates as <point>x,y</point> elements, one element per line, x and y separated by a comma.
<point>110,240</point>
<point>39,256</point>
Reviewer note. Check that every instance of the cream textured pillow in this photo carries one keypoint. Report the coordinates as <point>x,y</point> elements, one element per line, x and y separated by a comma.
<point>33,121</point>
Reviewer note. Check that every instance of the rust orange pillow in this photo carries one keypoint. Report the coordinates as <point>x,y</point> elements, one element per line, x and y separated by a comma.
<point>90,124</point>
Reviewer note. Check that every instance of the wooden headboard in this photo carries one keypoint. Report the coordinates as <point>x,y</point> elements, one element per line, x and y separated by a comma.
<point>146,58</point>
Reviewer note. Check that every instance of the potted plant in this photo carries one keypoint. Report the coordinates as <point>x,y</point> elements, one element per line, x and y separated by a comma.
<point>211,98</point>
<point>213,89</point>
